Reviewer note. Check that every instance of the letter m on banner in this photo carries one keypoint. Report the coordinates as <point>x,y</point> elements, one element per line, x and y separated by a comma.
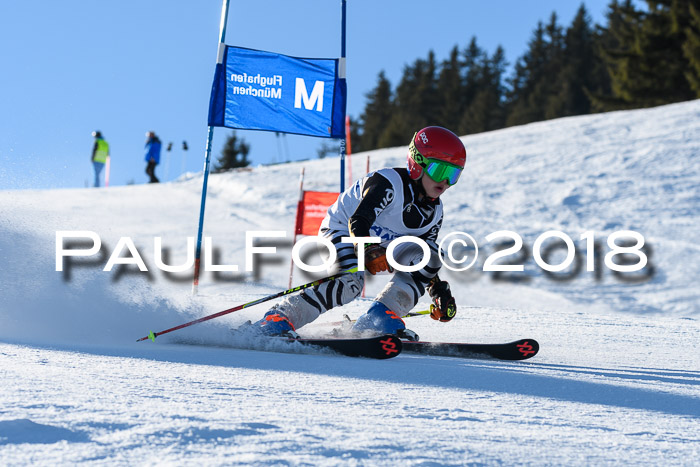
<point>256,90</point>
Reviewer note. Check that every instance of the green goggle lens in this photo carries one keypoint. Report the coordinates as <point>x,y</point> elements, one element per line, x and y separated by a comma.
<point>439,171</point>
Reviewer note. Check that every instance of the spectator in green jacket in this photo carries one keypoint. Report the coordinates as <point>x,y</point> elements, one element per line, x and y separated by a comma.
<point>100,153</point>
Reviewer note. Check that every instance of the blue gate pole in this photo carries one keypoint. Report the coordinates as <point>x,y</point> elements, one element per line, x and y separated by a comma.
<point>207,156</point>
<point>341,75</point>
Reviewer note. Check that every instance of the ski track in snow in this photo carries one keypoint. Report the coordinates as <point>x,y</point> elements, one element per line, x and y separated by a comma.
<point>617,380</point>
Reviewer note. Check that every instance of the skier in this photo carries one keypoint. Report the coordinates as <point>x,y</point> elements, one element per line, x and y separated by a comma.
<point>100,153</point>
<point>388,203</point>
<point>152,155</point>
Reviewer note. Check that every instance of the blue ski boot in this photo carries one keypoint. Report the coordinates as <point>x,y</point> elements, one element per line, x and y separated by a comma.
<point>275,323</point>
<point>382,320</point>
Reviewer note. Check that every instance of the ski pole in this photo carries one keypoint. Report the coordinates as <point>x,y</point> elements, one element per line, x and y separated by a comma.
<point>417,313</point>
<point>152,335</point>
<point>346,318</point>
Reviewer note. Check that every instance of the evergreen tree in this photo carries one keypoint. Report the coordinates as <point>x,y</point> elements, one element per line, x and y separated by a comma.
<point>474,57</point>
<point>613,46</point>
<point>473,79</point>
<point>376,116</point>
<point>581,72</point>
<point>547,86</point>
<point>415,103</point>
<point>357,144</point>
<point>487,109</point>
<point>229,159</point>
<point>535,87</point>
<point>691,46</point>
<point>529,70</point>
<point>661,46</point>
<point>646,60</point>
<point>450,92</point>
<point>430,102</point>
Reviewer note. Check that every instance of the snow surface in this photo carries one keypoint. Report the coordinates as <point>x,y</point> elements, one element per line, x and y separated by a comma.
<point>616,381</point>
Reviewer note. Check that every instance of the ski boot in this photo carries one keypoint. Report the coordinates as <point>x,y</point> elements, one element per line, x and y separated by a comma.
<point>275,323</point>
<point>381,319</point>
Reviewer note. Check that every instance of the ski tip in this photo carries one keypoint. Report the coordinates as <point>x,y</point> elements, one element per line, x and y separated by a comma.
<point>391,346</point>
<point>527,348</point>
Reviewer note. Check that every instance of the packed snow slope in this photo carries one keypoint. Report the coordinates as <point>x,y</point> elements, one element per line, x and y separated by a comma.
<point>616,381</point>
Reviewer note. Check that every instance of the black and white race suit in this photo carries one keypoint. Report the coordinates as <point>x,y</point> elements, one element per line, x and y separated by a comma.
<point>385,204</point>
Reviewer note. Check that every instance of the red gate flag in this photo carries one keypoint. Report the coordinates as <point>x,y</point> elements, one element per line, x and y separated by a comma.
<point>312,209</point>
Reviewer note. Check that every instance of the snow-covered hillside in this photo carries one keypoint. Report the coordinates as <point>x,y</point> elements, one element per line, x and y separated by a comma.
<point>616,380</point>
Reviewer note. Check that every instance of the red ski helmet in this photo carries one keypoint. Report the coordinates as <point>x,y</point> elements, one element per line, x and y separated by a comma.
<point>438,152</point>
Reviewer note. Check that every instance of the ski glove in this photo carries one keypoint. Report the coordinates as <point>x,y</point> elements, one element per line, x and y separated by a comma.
<point>443,307</point>
<point>375,259</point>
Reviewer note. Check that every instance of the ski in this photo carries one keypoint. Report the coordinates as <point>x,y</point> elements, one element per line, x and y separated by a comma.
<point>517,350</point>
<point>379,347</point>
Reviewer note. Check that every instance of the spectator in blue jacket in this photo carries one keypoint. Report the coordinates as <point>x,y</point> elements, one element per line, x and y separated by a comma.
<point>152,155</point>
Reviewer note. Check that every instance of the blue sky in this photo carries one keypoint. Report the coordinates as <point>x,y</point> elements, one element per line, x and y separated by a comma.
<point>128,67</point>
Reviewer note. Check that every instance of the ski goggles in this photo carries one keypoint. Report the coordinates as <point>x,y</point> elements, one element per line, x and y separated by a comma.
<point>436,169</point>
